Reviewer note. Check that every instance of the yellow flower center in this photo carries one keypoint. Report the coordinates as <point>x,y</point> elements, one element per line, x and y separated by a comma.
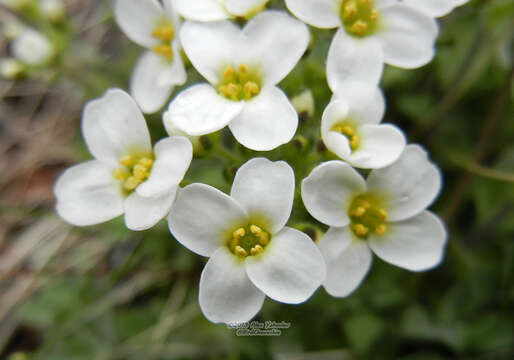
<point>239,83</point>
<point>164,33</point>
<point>367,216</point>
<point>248,241</point>
<point>133,170</point>
<point>348,130</point>
<point>360,17</point>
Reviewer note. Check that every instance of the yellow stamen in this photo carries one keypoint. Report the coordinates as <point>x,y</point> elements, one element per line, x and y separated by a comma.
<point>381,229</point>
<point>164,33</point>
<point>243,68</point>
<point>127,160</point>
<point>164,50</point>
<point>228,73</point>
<point>350,10</point>
<point>359,212</point>
<point>146,162</point>
<point>131,183</point>
<point>383,214</point>
<point>256,250</point>
<point>239,233</point>
<point>360,230</point>
<point>263,238</point>
<point>359,27</point>
<point>120,174</point>
<point>240,251</point>
<point>354,142</point>
<point>250,88</point>
<point>374,15</point>
<point>254,229</point>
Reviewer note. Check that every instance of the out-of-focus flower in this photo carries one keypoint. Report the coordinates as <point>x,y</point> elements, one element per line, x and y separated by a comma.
<point>384,214</point>
<point>11,68</point>
<point>304,103</point>
<point>32,48</point>
<point>159,70</point>
<point>17,5</point>
<point>215,10</point>
<point>371,33</point>
<point>127,176</point>
<point>350,128</point>
<point>52,10</point>
<point>243,67</point>
<point>435,8</point>
<point>252,253</point>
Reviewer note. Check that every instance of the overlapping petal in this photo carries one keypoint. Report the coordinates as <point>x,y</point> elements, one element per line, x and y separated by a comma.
<point>244,7</point>
<point>322,14</point>
<point>141,213</point>
<point>202,10</point>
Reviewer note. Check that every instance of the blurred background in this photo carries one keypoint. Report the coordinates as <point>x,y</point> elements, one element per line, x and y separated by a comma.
<point>104,292</point>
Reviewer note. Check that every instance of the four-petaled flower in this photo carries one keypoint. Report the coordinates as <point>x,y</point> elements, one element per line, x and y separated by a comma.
<point>252,253</point>
<point>215,10</point>
<point>158,71</point>
<point>370,33</point>
<point>350,128</point>
<point>242,67</point>
<point>126,175</point>
<point>384,214</point>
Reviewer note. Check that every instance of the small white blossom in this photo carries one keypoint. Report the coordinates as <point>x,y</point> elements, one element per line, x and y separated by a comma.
<point>127,176</point>
<point>252,253</point>
<point>350,128</point>
<point>215,10</point>
<point>11,68</point>
<point>371,33</point>
<point>435,8</point>
<point>384,214</point>
<point>53,10</point>
<point>243,67</point>
<point>159,70</point>
<point>32,48</point>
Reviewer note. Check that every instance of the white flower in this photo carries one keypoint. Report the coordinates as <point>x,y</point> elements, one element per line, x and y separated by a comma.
<point>159,70</point>
<point>435,8</point>
<point>32,48</point>
<point>370,33</point>
<point>252,253</point>
<point>11,68</point>
<point>384,214</point>
<point>243,66</point>
<point>350,128</point>
<point>126,175</point>
<point>53,10</point>
<point>215,10</point>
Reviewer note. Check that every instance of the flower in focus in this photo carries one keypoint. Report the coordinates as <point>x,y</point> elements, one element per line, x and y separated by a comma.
<point>215,10</point>
<point>435,8</point>
<point>370,33</point>
<point>384,214</point>
<point>127,176</point>
<point>32,48</point>
<point>252,253</point>
<point>160,69</point>
<point>350,128</point>
<point>242,66</point>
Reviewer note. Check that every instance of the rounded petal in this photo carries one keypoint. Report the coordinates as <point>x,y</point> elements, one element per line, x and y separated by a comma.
<point>266,121</point>
<point>202,10</point>
<point>265,189</point>
<point>407,36</point>
<point>380,146</point>
<point>322,14</point>
<point>353,59</point>
<point>113,125</point>
<point>409,185</point>
<point>226,293</point>
<point>290,269</point>
<point>336,111</point>
<point>244,7</point>
<point>276,42</point>
<point>154,78</point>
<point>138,18</point>
<point>366,102</point>
<point>348,261</point>
<point>328,191</point>
<point>87,194</point>
<point>435,8</point>
<point>415,244</point>
<point>173,156</point>
<point>142,213</point>
<point>210,46</point>
<point>201,216</point>
<point>199,110</point>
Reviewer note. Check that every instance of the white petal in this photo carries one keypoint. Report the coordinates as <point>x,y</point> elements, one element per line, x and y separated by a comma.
<point>410,184</point>
<point>265,189</point>
<point>226,293</point>
<point>266,121</point>
<point>353,59</point>
<point>32,48</point>
<point>336,111</point>
<point>366,102</point>
<point>244,7</point>
<point>348,261</point>
<point>210,46</point>
<point>328,191</point>
<point>154,78</point>
<point>114,126</point>
<point>416,244</point>
<point>322,14</point>
<point>203,217</point>
<point>142,213</point>
<point>277,42</point>
<point>173,156</point>
<point>435,8</point>
<point>380,146</point>
<point>290,269</point>
<point>138,18</point>
<point>200,110</point>
<point>87,194</point>
<point>202,10</point>
<point>407,36</point>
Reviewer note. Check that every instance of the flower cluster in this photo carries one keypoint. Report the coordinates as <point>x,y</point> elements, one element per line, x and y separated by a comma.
<point>243,51</point>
